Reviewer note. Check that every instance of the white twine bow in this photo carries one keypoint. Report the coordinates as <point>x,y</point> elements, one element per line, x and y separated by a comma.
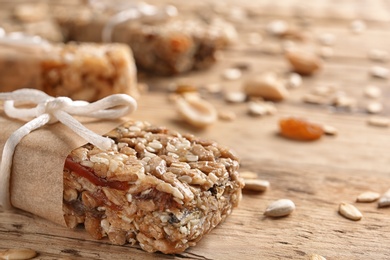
<point>49,110</point>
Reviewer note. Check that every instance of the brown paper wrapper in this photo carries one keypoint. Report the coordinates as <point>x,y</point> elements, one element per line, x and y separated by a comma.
<point>37,168</point>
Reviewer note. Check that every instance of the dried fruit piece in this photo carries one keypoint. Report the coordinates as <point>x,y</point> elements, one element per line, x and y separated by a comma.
<point>17,254</point>
<point>267,86</point>
<point>256,185</point>
<point>300,129</point>
<point>368,196</point>
<point>196,111</point>
<point>305,63</point>
<point>280,208</point>
<point>349,211</point>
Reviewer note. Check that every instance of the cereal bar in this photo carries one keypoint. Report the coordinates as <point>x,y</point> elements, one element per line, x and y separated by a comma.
<point>166,46</point>
<point>156,188</point>
<point>80,71</point>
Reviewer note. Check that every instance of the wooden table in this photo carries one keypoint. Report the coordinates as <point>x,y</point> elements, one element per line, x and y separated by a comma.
<point>317,176</point>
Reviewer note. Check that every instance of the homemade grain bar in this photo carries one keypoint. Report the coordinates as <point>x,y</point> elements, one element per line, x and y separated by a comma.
<point>30,18</point>
<point>162,44</point>
<point>85,71</point>
<point>156,187</point>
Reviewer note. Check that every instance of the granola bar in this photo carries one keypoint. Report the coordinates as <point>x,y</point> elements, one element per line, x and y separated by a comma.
<point>80,71</point>
<point>30,18</point>
<point>166,46</point>
<point>156,187</point>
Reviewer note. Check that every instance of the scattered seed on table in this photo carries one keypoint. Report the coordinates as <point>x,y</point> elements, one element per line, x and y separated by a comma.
<point>248,175</point>
<point>372,92</point>
<point>368,196</point>
<point>384,200</point>
<point>326,52</point>
<point>327,39</point>
<point>379,121</point>
<point>379,72</point>
<point>294,80</point>
<point>227,115</point>
<point>256,185</point>
<point>280,208</point>
<point>235,97</point>
<point>378,55</point>
<point>17,254</point>
<point>316,257</point>
<point>349,211</point>
<point>232,74</point>
<point>329,130</point>
<point>374,107</point>
<point>358,26</point>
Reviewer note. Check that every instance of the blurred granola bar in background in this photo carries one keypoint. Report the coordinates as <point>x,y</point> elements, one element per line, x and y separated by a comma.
<point>164,41</point>
<point>85,71</point>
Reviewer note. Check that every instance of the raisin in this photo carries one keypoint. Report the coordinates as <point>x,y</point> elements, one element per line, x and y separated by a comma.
<point>300,129</point>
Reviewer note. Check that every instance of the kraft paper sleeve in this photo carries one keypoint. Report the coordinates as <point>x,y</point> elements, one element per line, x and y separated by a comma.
<point>38,162</point>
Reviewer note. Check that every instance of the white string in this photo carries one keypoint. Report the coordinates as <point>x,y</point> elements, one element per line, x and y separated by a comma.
<point>49,110</point>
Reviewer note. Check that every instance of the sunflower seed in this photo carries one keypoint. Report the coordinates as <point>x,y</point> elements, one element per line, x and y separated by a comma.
<point>232,74</point>
<point>329,130</point>
<point>248,175</point>
<point>384,200</point>
<point>349,211</point>
<point>294,80</point>
<point>379,72</point>
<point>17,253</point>
<point>374,107</point>
<point>280,208</point>
<point>325,52</point>
<point>277,27</point>
<point>378,55</point>
<point>368,196</point>
<point>235,97</point>
<point>372,92</point>
<point>256,185</point>
<point>379,121</point>
<point>327,39</point>
<point>316,257</point>
<point>358,26</point>
<point>227,115</point>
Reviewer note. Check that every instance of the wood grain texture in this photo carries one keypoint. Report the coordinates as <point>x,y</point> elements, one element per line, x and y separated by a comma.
<point>317,176</point>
